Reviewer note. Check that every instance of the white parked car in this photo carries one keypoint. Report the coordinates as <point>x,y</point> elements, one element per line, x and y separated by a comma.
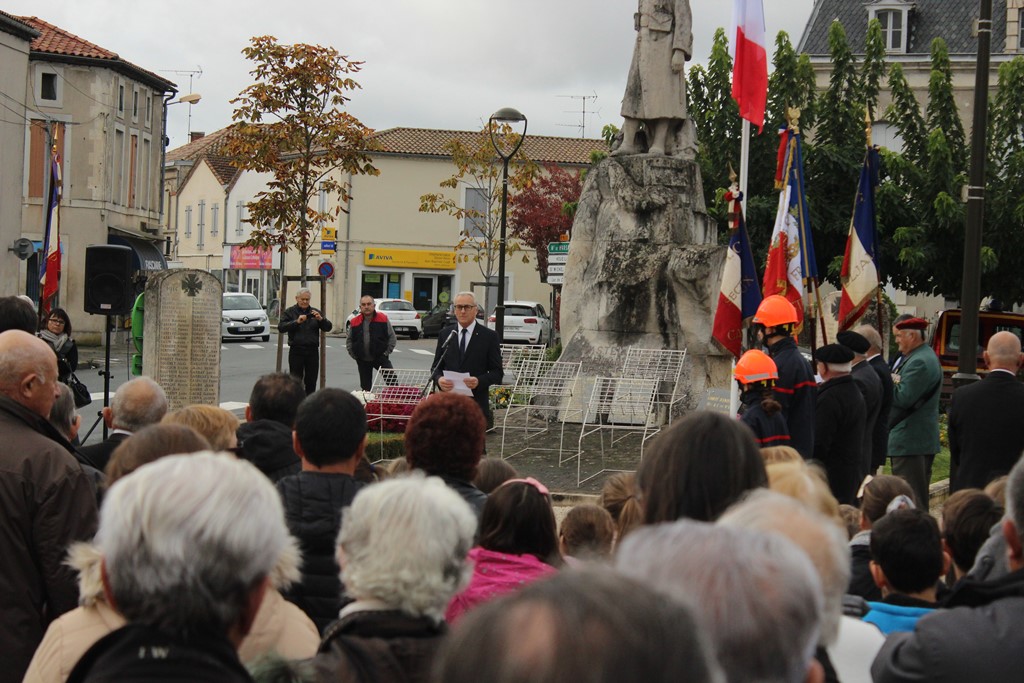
<point>242,317</point>
<point>525,321</point>
<point>405,319</point>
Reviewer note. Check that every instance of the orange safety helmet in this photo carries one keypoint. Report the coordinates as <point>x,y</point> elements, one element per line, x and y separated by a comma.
<point>775,310</point>
<point>755,366</point>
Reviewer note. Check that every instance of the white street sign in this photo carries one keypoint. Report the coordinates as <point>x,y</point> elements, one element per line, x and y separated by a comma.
<point>558,258</point>
<point>556,269</point>
<point>556,279</point>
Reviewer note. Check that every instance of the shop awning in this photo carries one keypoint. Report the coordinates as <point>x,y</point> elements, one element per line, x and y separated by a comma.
<point>146,255</point>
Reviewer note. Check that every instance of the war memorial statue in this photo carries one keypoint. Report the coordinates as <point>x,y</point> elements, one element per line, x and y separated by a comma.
<point>644,265</point>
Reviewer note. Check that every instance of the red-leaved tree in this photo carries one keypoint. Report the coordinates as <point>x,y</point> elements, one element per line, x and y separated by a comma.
<point>543,211</point>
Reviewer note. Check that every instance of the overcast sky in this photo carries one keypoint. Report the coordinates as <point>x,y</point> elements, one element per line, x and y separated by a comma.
<point>428,63</point>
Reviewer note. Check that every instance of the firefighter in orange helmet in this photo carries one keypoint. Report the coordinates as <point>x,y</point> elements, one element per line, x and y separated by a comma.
<point>756,374</point>
<point>795,388</point>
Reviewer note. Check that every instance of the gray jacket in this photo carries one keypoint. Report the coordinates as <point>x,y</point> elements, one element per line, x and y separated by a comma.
<point>980,638</point>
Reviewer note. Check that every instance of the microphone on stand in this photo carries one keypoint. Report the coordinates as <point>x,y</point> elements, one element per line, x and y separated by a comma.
<point>451,336</point>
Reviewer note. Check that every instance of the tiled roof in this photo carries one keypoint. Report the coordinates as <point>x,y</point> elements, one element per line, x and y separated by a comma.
<point>429,142</point>
<point>208,144</point>
<point>53,40</point>
<point>951,20</point>
<point>222,168</point>
<point>539,148</point>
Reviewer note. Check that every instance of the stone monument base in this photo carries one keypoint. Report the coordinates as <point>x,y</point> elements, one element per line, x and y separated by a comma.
<point>644,270</point>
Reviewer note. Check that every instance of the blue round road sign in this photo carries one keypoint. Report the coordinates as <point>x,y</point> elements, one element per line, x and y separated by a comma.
<point>326,270</point>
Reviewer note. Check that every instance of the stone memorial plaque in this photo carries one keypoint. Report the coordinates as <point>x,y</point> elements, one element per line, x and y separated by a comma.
<point>717,401</point>
<point>182,335</point>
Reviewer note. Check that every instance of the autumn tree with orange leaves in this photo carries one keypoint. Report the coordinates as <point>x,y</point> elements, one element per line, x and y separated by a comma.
<point>291,123</point>
<point>542,212</point>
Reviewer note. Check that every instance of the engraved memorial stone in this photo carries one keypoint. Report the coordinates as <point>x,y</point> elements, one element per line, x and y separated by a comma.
<point>182,335</point>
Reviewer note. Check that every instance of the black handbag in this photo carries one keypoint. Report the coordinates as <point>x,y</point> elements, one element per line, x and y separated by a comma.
<point>80,391</point>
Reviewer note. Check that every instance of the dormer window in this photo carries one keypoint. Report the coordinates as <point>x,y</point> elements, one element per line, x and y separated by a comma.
<point>893,15</point>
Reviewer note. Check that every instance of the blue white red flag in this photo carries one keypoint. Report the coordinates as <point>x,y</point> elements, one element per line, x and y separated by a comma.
<point>791,263</point>
<point>49,269</point>
<point>860,273</point>
<point>740,294</point>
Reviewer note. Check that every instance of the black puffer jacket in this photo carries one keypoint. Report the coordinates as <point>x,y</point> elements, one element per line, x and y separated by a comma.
<point>268,445</point>
<point>144,653</point>
<point>312,506</point>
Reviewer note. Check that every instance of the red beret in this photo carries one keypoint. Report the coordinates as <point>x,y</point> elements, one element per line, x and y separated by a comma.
<point>913,324</point>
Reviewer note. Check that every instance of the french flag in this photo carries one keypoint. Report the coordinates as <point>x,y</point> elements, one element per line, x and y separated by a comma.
<point>791,258</point>
<point>740,295</point>
<point>49,269</point>
<point>750,60</point>
<point>860,274</point>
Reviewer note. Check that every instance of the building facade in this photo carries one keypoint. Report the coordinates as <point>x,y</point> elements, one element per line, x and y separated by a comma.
<point>104,116</point>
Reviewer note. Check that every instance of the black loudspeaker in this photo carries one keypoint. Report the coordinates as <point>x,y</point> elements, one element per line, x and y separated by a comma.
<point>108,284</point>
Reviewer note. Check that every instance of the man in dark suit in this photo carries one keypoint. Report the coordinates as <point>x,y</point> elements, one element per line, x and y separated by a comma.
<point>880,435</point>
<point>137,403</point>
<point>985,418</point>
<point>472,349</point>
<point>867,380</point>
<point>839,422</point>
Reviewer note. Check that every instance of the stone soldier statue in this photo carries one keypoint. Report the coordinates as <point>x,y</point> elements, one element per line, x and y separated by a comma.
<point>656,86</point>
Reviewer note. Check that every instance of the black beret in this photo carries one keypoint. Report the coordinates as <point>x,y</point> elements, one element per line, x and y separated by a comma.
<point>854,341</point>
<point>834,353</point>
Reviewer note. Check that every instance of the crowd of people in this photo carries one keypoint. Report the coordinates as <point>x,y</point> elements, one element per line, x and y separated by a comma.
<point>191,545</point>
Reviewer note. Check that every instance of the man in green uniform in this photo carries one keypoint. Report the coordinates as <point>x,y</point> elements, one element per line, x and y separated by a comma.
<point>914,421</point>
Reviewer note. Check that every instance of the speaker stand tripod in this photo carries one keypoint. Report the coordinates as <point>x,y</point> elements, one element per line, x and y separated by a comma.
<point>106,383</point>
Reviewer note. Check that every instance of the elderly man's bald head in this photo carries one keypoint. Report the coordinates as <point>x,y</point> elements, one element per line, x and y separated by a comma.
<point>28,371</point>
<point>137,403</point>
<point>1003,351</point>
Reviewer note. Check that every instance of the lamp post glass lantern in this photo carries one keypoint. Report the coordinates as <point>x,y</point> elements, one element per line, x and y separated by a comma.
<point>499,119</point>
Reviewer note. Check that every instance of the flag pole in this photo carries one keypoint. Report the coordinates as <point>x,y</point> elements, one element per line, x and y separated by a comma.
<point>744,164</point>
<point>801,199</point>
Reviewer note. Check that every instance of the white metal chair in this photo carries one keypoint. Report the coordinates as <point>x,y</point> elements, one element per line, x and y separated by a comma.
<point>622,406</point>
<point>541,396</point>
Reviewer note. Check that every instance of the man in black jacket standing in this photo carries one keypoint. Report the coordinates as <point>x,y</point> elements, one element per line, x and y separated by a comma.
<point>472,349</point>
<point>985,418</point>
<point>330,438</point>
<point>839,422</point>
<point>880,436</point>
<point>371,339</point>
<point>303,324</point>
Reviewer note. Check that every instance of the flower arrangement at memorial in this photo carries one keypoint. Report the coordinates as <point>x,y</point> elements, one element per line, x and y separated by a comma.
<point>390,409</point>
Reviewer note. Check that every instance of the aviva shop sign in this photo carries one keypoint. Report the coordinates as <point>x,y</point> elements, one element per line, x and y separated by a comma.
<point>409,258</point>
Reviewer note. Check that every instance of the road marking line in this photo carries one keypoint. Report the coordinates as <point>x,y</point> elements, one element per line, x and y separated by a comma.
<point>251,346</point>
<point>422,352</point>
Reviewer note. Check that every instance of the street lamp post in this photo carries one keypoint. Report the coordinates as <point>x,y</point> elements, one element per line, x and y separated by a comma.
<point>970,296</point>
<point>506,115</point>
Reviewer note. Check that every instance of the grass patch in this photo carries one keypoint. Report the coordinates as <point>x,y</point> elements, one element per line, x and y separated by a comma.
<point>940,466</point>
<point>385,445</point>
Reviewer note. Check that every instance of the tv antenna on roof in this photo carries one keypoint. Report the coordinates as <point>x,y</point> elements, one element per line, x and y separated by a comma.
<point>582,126</point>
<point>196,74</point>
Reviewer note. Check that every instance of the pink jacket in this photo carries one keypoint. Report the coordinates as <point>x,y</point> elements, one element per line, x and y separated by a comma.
<point>495,574</point>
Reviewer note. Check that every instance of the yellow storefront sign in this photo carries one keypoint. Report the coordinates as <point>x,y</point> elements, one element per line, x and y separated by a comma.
<point>409,258</point>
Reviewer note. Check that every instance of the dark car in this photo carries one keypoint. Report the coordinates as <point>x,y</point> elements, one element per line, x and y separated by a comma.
<point>442,315</point>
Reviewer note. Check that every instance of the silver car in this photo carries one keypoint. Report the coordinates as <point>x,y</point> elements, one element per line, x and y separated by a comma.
<point>242,317</point>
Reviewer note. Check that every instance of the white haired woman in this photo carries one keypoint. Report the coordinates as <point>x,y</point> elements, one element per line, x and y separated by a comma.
<point>402,551</point>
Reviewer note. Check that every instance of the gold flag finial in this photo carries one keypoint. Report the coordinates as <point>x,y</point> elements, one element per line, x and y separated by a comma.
<point>867,124</point>
<point>732,174</point>
<point>793,118</point>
